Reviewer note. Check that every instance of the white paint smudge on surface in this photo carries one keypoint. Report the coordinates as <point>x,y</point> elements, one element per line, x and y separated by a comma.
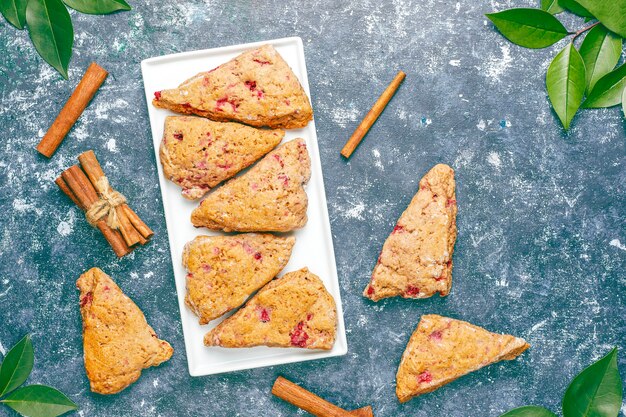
<point>494,159</point>
<point>356,211</point>
<point>343,116</point>
<point>377,161</point>
<point>617,244</point>
<point>112,145</point>
<point>496,66</point>
<point>455,62</point>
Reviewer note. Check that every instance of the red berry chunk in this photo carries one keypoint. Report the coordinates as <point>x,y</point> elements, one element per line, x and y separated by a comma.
<point>370,290</point>
<point>451,203</point>
<point>309,316</point>
<point>157,95</point>
<point>436,335</point>
<point>425,377</point>
<point>285,179</point>
<point>261,61</point>
<point>279,159</point>
<point>298,336</point>
<point>264,315</point>
<point>397,229</point>
<point>412,291</point>
<point>178,136</point>
<point>258,256</point>
<point>86,299</point>
<point>251,85</point>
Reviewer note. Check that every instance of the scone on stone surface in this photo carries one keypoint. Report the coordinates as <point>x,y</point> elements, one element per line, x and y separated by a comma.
<point>443,349</point>
<point>118,342</point>
<point>269,197</point>
<point>256,88</point>
<point>223,271</point>
<point>197,154</point>
<point>293,311</point>
<point>416,259</point>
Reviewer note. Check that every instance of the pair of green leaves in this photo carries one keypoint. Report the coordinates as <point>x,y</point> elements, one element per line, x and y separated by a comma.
<point>595,392</point>
<point>573,73</point>
<point>50,26</point>
<point>31,400</point>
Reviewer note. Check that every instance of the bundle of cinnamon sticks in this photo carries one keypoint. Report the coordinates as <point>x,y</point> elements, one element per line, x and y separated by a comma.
<point>105,208</point>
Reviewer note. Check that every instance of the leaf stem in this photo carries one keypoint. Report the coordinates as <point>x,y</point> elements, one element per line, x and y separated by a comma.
<point>583,30</point>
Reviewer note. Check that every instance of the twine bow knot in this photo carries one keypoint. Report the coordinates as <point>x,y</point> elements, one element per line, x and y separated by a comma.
<point>105,206</point>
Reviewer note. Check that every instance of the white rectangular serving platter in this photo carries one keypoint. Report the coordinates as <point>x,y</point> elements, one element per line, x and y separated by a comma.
<point>314,245</point>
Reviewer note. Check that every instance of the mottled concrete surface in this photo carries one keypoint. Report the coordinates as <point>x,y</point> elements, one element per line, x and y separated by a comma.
<point>541,249</point>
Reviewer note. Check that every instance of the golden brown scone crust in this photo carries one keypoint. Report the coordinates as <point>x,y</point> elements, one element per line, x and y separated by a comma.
<point>197,154</point>
<point>270,197</point>
<point>443,349</point>
<point>293,311</point>
<point>118,342</point>
<point>223,271</point>
<point>256,88</point>
<point>416,259</point>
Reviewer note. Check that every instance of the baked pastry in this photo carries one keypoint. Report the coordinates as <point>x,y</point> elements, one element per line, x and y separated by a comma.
<point>270,197</point>
<point>416,259</point>
<point>118,342</point>
<point>197,154</point>
<point>223,271</point>
<point>256,88</point>
<point>443,349</point>
<point>292,311</point>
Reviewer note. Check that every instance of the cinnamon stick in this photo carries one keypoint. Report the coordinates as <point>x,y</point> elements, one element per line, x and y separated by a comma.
<point>78,184</point>
<point>372,115</point>
<point>74,107</point>
<point>64,187</point>
<point>92,168</point>
<point>301,398</point>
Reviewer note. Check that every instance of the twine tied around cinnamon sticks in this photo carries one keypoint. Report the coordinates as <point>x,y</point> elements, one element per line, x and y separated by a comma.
<point>90,190</point>
<point>106,205</point>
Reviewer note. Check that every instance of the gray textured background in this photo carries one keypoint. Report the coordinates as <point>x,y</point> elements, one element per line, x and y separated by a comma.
<point>541,248</point>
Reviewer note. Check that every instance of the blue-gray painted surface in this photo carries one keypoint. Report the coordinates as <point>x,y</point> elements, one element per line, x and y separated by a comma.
<point>541,248</point>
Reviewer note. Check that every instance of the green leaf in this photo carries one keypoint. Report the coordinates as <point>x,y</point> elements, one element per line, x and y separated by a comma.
<point>600,50</point>
<point>551,6</point>
<point>612,13</point>
<point>97,6</point>
<point>530,28</point>
<point>596,391</point>
<point>14,11</point>
<point>51,31</point>
<point>608,90</point>
<point>565,82</point>
<point>529,411</point>
<point>574,7</point>
<point>39,401</point>
<point>16,366</point>
<point>624,102</point>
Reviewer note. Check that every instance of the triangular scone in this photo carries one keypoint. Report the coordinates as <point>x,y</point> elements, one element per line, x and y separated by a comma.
<point>443,349</point>
<point>257,88</point>
<point>270,197</point>
<point>118,342</point>
<point>197,154</point>
<point>293,311</point>
<point>416,259</point>
<point>223,271</point>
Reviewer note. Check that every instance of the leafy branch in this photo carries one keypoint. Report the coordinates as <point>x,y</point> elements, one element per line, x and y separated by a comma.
<point>31,400</point>
<point>50,26</point>
<point>588,72</point>
<point>595,392</point>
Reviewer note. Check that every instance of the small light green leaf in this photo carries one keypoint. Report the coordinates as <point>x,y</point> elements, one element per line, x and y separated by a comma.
<point>565,82</point>
<point>16,365</point>
<point>529,411</point>
<point>39,401</point>
<point>530,28</point>
<point>97,6</point>
<point>612,13</point>
<point>600,50</point>
<point>574,7</point>
<point>551,6</point>
<point>624,102</point>
<point>51,31</point>
<point>596,391</point>
<point>608,90</point>
<point>14,11</point>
